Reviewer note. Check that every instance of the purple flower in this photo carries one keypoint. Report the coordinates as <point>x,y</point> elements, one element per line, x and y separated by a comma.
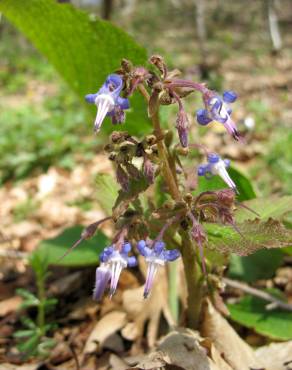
<point>216,166</point>
<point>155,257</point>
<point>112,264</point>
<point>217,109</point>
<point>109,102</point>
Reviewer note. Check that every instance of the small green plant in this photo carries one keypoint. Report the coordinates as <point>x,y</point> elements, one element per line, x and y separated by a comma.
<point>33,339</point>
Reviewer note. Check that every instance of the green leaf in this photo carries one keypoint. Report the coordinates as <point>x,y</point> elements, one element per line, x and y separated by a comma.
<point>29,347</point>
<point>260,265</point>
<point>83,48</point>
<point>251,312</point>
<point>243,184</point>
<point>257,235</point>
<point>271,206</point>
<point>27,295</point>
<point>23,333</point>
<point>107,191</point>
<point>85,254</point>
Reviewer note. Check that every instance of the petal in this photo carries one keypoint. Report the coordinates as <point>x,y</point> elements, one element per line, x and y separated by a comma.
<point>105,103</point>
<point>123,103</point>
<point>126,248</point>
<point>231,128</point>
<point>116,269</point>
<point>219,169</point>
<point>229,96</point>
<point>151,272</point>
<point>213,158</point>
<point>114,83</point>
<point>143,249</point>
<point>102,277</point>
<point>202,170</point>
<point>90,98</point>
<point>227,162</point>
<point>158,247</point>
<point>203,117</point>
<point>218,109</point>
<point>132,261</point>
<point>172,254</point>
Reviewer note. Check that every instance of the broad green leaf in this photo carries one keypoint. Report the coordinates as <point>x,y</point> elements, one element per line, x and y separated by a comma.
<point>85,254</point>
<point>251,312</point>
<point>260,265</point>
<point>271,206</point>
<point>243,184</point>
<point>256,235</point>
<point>82,48</point>
<point>107,191</point>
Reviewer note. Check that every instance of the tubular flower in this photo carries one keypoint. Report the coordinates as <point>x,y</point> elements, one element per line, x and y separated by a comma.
<point>109,102</point>
<point>155,257</point>
<point>216,166</point>
<point>217,109</point>
<point>112,264</point>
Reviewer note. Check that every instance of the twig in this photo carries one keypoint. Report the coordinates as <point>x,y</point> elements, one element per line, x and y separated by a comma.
<point>258,293</point>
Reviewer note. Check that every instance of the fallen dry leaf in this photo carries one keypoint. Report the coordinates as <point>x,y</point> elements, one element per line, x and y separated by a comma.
<point>9,305</point>
<point>234,350</point>
<point>105,327</point>
<point>181,349</point>
<point>275,355</point>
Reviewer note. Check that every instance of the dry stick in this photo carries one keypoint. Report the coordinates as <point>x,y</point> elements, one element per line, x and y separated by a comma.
<point>258,293</point>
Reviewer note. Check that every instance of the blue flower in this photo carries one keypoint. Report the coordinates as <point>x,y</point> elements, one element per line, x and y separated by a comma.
<point>217,109</point>
<point>113,262</point>
<point>109,102</point>
<point>155,256</point>
<point>216,166</point>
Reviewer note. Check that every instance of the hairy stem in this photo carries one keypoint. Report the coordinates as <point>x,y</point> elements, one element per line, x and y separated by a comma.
<point>193,280</point>
<point>191,270</point>
<point>168,175</point>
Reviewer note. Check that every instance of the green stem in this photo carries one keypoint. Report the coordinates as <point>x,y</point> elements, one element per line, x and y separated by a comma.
<point>41,307</point>
<point>193,280</point>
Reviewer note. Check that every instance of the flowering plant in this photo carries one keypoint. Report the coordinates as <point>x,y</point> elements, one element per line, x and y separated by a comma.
<point>173,227</point>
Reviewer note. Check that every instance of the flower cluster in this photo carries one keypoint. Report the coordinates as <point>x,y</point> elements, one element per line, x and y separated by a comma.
<point>139,161</point>
<point>109,102</point>
<point>216,166</point>
<point>217,109</point>
<point>114,261</point>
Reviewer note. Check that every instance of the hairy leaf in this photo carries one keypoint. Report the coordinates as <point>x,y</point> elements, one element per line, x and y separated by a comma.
<point>257,235</point>
<point>83,48</point>
<point>252,313</point>
<point>271,206</point>
<point>85,254</point>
